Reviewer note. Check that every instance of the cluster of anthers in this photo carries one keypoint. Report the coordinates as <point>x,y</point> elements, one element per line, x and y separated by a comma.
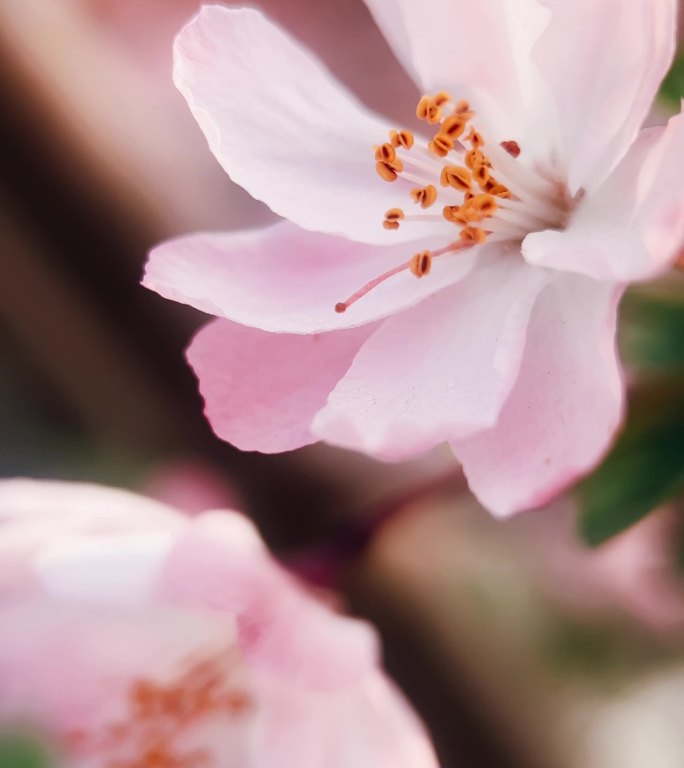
<point>488,195</point>
<point>159,715</point>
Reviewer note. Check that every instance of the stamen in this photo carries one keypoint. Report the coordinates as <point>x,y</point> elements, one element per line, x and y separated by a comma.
<point>473,235</point>
<point>463,109</point>
<point>441,145</point>
<point>488,194</point>
<point>457,177</point>
<point>512,147</point>
<point>386,171</point>
<point>392,218</point>
<point>402,138</point>
<point>428,110</point>
<point>453,126</point>
<point>421,264</point>
<point>485,205</point>
<point>481,174</point>
<point>474,158</point>
<point>343,306</point>
<point>475,139</point>
<point>385,153</point>
<point>454,214</point>
<point>426,196</point>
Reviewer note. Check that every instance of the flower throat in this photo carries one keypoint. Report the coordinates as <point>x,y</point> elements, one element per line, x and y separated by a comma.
<point>485,193</point>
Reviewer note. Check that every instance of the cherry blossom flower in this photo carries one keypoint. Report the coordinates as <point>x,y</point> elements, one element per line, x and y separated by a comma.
<point>134,636</point>
<point>456,283</point>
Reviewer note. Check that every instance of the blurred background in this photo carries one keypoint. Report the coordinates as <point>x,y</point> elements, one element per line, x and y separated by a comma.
<point>555,640</point>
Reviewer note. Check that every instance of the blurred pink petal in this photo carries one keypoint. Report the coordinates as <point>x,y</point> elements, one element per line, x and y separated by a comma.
<point>634,572</point>
<point>133,635</point>
<point>547,179</point>
<point>191,486</point>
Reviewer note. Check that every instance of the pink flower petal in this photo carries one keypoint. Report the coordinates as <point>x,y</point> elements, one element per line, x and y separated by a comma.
<point>564,408</point>
<point>282,127</point>
<point>633,226</point>
<point>481,47</point>
<point>261,389</point>
<point>439,370</point>
<point>386,732</point>
<point>281,629</point>
<point>285,279</point>
<point>603,60</point>
<point>245,667</point>
<point>69,514</point>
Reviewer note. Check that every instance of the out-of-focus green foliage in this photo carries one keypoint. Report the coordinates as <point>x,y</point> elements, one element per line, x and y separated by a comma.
<point>644,469</point>
<point>646,466</point>
<point>672,89</point>
<point>602,651</point>
<point>652,332</point>
<point>20,751</point>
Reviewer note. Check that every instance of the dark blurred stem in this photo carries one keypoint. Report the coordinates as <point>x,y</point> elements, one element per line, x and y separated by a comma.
<point>324,563</point>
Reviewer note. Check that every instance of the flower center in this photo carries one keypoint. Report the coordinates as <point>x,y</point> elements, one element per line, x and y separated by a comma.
<point>482,189</point>
<point>152,733</point>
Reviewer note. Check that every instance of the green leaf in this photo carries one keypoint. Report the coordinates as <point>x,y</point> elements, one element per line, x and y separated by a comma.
<point>652,329</point>
<point>21,751</point>
<point>672,89</point>
<point>644,469</point>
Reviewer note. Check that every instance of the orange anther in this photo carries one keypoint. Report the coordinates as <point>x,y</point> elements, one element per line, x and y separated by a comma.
<point>462,107</point>
<point>428,110</point>
<point>386,171</point>
<point>494,188</point>
<point>394,214</point>
<point>434,115</point>
<point>392,218</point>
<point>423,107</point>
<point>456,177</point>
<point>441,145</point>
<point>441,98</point>
<point>473,235</point>
<point>236,702</point>
<point>485,205</point>
<point>421,263</point>
<point>405,139</point>
<point>453,126</point>
<point>481,174</point>
<point>401,138</point>
<point>454,214</point>
<point>385,153</point>
<point>474,157</point>
<point>425,196</point>
<point>475,139</point>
